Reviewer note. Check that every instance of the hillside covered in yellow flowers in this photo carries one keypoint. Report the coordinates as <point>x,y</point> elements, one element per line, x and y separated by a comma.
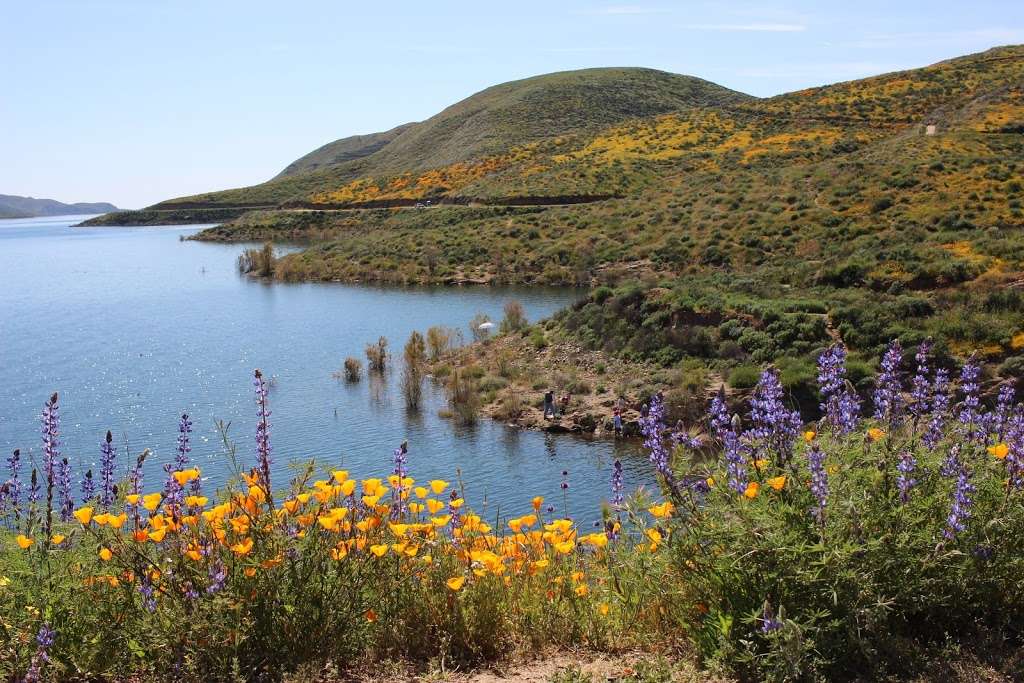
<point>901,191</point>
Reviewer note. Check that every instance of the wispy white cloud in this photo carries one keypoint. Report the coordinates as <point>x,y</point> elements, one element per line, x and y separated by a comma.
<point>757,27</point>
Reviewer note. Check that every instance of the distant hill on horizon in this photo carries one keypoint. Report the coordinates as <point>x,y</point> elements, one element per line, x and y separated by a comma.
<point>14,206</point>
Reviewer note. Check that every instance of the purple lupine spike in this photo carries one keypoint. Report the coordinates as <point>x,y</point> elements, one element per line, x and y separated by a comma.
<point>905,480</point>
<point>401,459</point>
<point>719,414</point>
<point>218,575</point>
<point>819,481</point>
<point>147,592</point>
<point>184,447</point>
<point>51,437</point>
<point>839,403</point>
<point>108,456</point>
<point>920,390</point>
<point>1015,444</point>
<point>45,639</point>
<point>173,493</point>
<point>723,428</point>
<point>769,622</point>
<point>773,424</point>
<point>456,517</point>
<point>736,463</point>
<point>136,475</point>
<point>34,488</point>
<point>960,510</point>
<point>969,416</point>
<point>14,483</point>
<point>996,420</point>
<point>617,485</point>
<point>651,427</point>
<point>263,448</point>
<point>88,487</point>
<point>66,497</point>
<point>888,396</point>
<point>951,465</point>
<point>940,399</point>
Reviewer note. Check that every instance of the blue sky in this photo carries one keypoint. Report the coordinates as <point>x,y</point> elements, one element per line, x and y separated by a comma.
<point>140,100</point>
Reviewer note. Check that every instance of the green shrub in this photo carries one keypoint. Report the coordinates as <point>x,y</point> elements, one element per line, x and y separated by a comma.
<point>744,376</point>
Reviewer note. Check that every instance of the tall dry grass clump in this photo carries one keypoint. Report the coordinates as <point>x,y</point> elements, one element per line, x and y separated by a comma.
<point>377,355</point>
<point>415,357</point>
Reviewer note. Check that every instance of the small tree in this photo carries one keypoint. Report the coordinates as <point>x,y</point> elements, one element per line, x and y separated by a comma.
<point>439,340</point>
<point>412,374</point>
<point>377,355</point>
<point>480,327</point>
<point>515,319</point>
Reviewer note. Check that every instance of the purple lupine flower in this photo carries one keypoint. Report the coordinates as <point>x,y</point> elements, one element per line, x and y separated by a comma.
<point>1015,443</point>
<point>14,483</point>
<point>218,574</point>
<point>147,592</point>
<point>905,480</point>
<point>969,416</point>
<point>996,420</point>
<point>726,432</point>
<point>565,480</point>
<point>651,426</point>
<point>108,455</point>
<point>960,511</point>
<point>173,492</point>
<point>184,447</point>
<point>456,521</point>
<point>51,455</point>
<point>888,396</point>
<point>951,465</point>
<point>773,424</point>
<point>618,487</point>
<point>88,486</point>
<point>940,400</point>
<point>839,402</point>
<point>400,457</point>
<point>719,415</point>
<point>819,481</point>
<point>768,620</point>
<point>67,500</point>
<point>263,448</point>
<point>45,639</point>
<point>34,488</point>
<point>51,437</point>
<point>920,386</point>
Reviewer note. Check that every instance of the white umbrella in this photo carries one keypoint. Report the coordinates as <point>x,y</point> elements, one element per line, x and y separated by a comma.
<point>486,326</point>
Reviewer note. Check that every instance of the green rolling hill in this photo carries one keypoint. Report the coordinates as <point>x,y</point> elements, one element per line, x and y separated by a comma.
<point>861,210</point>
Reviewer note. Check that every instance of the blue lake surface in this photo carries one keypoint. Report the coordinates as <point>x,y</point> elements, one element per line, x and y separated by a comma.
<point>134,326</point>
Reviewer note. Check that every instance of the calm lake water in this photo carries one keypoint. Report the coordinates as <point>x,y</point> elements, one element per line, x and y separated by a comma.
<point>134,326</point>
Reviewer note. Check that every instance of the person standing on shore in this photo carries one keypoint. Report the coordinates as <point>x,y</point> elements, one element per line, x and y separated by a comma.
<point>617,420</point>
<point>549,404</point>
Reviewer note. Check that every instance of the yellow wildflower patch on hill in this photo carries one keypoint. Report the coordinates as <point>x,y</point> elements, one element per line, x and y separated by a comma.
<point>784,143</point>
